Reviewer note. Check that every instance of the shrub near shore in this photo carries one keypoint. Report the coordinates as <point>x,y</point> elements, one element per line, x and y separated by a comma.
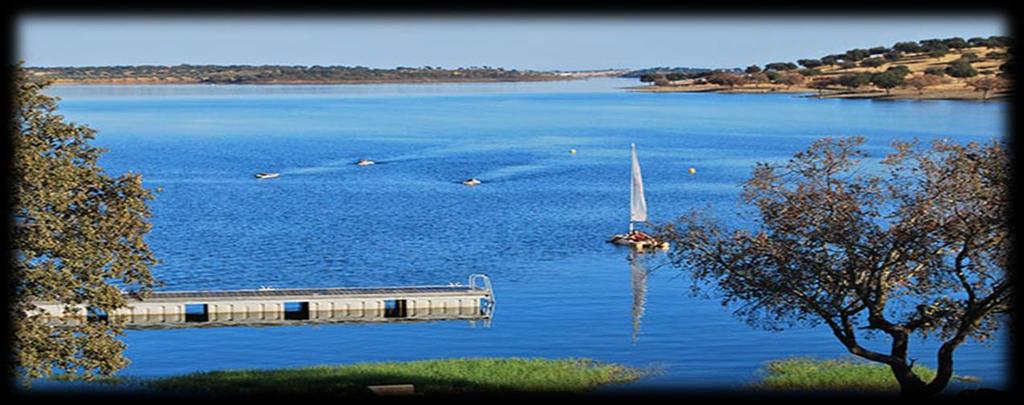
<point>810,375</point>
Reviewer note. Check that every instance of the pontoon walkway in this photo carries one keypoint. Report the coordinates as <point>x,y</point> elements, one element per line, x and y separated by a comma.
<point>277,306</point>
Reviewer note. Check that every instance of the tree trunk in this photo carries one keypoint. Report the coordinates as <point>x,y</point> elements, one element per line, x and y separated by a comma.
<point>911,385</point>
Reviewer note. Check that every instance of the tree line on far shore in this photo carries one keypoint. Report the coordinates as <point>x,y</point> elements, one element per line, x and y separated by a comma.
<point>241,74</point>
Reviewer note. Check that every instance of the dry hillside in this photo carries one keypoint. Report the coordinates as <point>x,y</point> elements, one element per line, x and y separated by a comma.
<point>987,63</point>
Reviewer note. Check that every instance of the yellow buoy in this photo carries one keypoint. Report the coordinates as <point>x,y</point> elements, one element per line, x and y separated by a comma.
<point>693,171</point>
<point>572,151</point>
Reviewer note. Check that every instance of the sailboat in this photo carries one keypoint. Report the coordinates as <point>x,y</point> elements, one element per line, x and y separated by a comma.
<point>637,213</point>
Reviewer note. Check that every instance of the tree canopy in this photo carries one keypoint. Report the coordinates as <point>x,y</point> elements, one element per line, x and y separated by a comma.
<point>854,80</point>
<point>986,85</point>
<point>76,239</point>
<point>917,247</point>
<point>961,68</point>
<point>780,66</point>
<point>887,80</point>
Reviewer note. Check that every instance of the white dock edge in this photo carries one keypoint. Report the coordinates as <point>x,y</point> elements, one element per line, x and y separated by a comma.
<point>311,305</point>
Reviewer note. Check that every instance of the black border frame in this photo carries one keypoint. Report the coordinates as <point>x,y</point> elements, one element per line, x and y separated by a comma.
<point>545,10</point>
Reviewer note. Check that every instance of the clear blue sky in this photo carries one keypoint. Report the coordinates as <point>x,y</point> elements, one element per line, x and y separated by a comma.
<point>523,42</point>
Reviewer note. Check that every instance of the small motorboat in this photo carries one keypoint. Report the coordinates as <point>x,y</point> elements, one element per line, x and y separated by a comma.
<point>364,162</point>
<point>267,175</point>
<point>471,181</point>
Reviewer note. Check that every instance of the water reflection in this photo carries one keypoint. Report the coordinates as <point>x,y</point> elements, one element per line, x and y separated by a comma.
<point>638,279</point>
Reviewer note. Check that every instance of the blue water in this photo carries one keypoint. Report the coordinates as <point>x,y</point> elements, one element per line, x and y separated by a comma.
<point>536,225</point>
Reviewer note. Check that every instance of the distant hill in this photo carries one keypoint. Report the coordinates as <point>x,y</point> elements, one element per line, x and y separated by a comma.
<point>667,70</point>
<point>275,74</point>
<point>948,68</point>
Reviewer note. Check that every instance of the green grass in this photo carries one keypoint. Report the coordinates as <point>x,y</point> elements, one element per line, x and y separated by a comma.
<point>804,374</point>
<point>450,376</point>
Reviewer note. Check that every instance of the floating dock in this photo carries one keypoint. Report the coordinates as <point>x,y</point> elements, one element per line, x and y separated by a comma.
<point>287,306</point>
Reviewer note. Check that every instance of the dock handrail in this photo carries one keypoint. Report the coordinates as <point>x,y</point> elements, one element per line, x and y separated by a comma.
<point>473,278</point>
<point>488,309</point>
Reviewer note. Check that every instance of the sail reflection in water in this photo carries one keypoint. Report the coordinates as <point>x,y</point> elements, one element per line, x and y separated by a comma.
<point>638,277</point>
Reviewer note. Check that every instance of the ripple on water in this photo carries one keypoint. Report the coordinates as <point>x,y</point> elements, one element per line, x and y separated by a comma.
<point>537,224</point>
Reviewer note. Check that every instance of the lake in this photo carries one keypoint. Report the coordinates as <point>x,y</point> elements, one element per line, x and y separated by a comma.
<point>537,225</point>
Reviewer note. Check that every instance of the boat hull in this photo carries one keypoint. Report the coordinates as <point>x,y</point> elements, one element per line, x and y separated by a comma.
<point>647,244</point>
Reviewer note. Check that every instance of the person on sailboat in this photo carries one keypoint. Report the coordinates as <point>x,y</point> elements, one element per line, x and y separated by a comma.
<point>639,235</point>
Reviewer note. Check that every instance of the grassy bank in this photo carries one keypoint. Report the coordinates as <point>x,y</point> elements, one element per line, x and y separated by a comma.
<point>802,374</point>
<point>451,376</point>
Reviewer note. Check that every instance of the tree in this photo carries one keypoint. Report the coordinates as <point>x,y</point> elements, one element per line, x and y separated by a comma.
<point>878,50</point>
<point>887,80</point>
<point>809,72</point>
<point>1000,41</point>
<point>753,69</point>
<point>726,79</point>
<point>996,55</point>
<point>919,247</point>
<point>855,55</point>
<point>986,84</point>
<point>809,63</point>
<point>935,70</point>
<point>872,62</point>
<point>674,76</point>
<point>907,47</point>
<point>648,78</point>
<point>901,70</point>
<point>955,43</point>
<point>790,79</point>
<point>758,78</point>
<point>780,66</point>
<point>76,238</point>
<point>923,81</point>
<point>933,45</point>
<point>969,57</point>
<point>892,56</point>
<point>854,80</point>
<point>821,84</point>
<point>831,59</point>
<point>978,41</point>
<point>961,69</point>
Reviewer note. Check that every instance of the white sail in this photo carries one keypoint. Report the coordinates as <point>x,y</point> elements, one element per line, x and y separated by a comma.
<point>637,203</point>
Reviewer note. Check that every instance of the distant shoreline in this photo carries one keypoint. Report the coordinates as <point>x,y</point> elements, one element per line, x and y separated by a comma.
<point>293,75</point>
<point>298,83</point>
<point>899,94</point>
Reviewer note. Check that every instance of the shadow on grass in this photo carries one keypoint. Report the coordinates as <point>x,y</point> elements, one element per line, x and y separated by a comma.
<point>322,386</point>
